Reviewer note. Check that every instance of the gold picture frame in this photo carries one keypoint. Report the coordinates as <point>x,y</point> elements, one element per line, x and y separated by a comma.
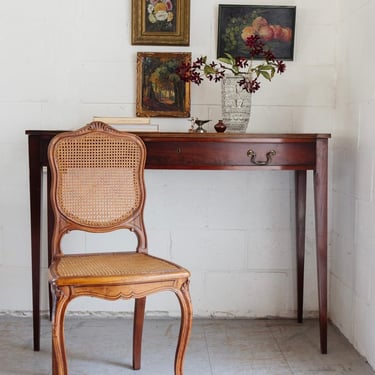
<point>160,90</point>
<point>165,22</point>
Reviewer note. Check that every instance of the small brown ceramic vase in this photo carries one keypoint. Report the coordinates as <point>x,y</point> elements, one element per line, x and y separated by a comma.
<point>220,126</point>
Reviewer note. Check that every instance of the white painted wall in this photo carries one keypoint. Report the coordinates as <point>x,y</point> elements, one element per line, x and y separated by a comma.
<point>353,209</point>
<point>63,62</point>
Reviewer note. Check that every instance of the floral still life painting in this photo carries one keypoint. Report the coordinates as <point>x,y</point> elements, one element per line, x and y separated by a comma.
<point>161,22</point>
<point>161,16</point>
<point>275,25</point>
<point>160,91</point>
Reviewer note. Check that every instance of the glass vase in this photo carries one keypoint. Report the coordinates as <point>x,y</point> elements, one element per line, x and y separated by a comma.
<point>236,105</point>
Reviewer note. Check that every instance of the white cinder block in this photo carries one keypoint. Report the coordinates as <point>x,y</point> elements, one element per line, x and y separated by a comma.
<point>25,81</point>
<point>210,250</point>
<point>159,243</point>
<point>15,278</point>
<point>369,339</point>
<point>366,130</point>
<point>341,306</point>
<point>364,261</point>
<point>271,249</point>
<point>263,119</point>
<point>247,293</point>
<point>343,215</point>
<point>289,89</point>
<point>365,219</point>
<point>311,38</point>
<point>246,212</point>
<point>364,181</point>
<point>362,336</point>
<point>314,120</point>
<point>342,260</point>
<point>107,82</point>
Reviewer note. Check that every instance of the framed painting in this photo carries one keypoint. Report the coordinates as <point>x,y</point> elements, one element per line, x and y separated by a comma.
<point>160,90</point>
<point>274,24</point>
<point>161,22</point>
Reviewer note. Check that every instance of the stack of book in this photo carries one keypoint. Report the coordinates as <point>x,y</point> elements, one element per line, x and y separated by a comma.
<point>130,124</point>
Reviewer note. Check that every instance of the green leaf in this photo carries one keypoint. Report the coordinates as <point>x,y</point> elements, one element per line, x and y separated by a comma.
<point>225,60</point>
<point>266,75</point>
<point>235,70</point>
<point>208,70</point>
<point>267,67</point>
<point>229,56</point>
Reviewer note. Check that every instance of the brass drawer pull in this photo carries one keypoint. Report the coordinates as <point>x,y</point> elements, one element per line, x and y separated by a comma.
<point>252,155</point>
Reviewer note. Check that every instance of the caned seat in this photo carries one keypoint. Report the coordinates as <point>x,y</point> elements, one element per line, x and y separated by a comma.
<point>97,186</point>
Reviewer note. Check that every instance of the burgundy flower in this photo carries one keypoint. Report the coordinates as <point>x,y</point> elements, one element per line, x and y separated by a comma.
<point>199,62</point>
<point>184,71</point>
<point>281,67</point>
<point>213,64</point>
<point>255,45</point>
<point>269,56</point>
<point>196,78</point>
<point>241,62</point>
<point>250,85</point>
<point>219,75</point>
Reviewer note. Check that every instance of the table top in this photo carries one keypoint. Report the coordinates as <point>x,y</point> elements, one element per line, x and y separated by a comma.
<point>207,136</point>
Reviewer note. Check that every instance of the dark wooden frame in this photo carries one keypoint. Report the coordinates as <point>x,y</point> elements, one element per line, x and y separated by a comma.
<point>145,33</point>
<point>150,99</point>
<point>233,19</point>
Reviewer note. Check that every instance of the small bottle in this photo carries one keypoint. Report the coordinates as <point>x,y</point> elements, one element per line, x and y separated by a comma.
<point>220,126</point>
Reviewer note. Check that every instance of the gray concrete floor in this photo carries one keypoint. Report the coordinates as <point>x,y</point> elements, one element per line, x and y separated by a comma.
<point>217,347</point>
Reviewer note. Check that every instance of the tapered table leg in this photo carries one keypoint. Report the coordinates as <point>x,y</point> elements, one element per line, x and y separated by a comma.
<point>321,196</point>
<point>35,176</point>
<point>300,237</point>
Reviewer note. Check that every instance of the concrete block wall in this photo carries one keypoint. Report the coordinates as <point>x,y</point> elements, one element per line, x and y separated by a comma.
<point>352,303</point>
<point>64,62</point>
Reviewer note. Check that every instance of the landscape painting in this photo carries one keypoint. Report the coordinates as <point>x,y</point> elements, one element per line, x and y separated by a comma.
<point>160,91</point>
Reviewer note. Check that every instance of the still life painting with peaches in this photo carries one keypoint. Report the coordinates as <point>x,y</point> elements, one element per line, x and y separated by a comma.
<point>273,24</point>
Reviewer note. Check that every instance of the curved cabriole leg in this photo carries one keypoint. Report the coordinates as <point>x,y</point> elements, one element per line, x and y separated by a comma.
<point>61,300</point>
<point>139,317</point>
<point>185,327</point>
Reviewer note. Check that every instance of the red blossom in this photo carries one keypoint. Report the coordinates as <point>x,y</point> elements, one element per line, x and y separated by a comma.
<point>281,67</point>
<point>241,62</point>
<point>255,44</point>
<point>250,85</point>
<point>269,56</point>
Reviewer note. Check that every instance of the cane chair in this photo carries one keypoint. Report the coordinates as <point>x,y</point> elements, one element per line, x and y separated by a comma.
<point>97,186</point>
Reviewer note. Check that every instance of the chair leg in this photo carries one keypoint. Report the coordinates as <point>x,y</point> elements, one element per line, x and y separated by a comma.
<point>139,317</point>
<point>185,327</point>
<point>59,362</point>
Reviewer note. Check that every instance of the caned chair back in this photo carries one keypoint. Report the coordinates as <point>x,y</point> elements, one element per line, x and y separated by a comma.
<point>97,181</point>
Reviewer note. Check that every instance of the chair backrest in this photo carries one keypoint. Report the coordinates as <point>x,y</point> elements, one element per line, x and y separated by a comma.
<point>97,182</point>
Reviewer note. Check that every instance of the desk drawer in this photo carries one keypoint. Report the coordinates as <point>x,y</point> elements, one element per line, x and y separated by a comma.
<point>230,155</point>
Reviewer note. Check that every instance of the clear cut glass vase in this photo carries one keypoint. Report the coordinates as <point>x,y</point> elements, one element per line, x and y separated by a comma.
<point>236,104</point>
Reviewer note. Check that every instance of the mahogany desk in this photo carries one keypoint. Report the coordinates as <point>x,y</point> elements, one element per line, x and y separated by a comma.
<point>211,151</point>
